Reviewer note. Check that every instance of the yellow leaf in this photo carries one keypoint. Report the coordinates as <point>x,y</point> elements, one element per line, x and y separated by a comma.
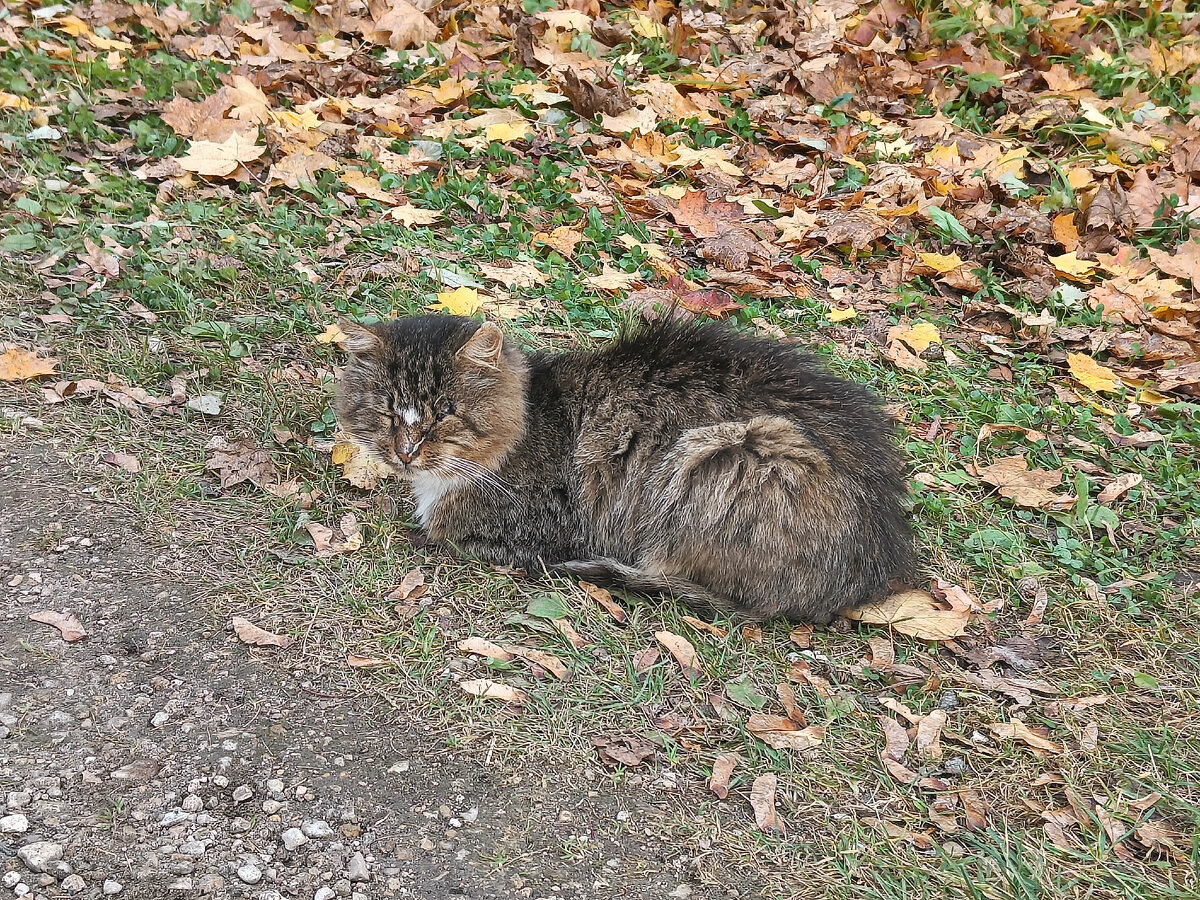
<point>13,101</point>
<point>461,301</point>
<point>411,216</point>
<point>644,26</point>
<point>332,334</point>
<point>454,89</point>
<point>366,186</point>
<point>504,132</point>
<point>1091,374</point>
<point>1072,266</point>
<point>941,263</point>
<point>944,156</point>
<point>917,336</point>
<point>841,314</point>
<point>343,452</point>
<point>218,159</point>
<point>18,365</point>
<point>74,26</point>
<point>914,613</point>
<point>538,94</point>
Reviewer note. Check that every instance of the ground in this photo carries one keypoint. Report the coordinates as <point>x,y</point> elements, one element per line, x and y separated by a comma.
<point>985,212</point>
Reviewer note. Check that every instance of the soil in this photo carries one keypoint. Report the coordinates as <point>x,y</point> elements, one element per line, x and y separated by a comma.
<point>161,757</point>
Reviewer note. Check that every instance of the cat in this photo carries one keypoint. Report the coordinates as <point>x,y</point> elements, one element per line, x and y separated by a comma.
<point>684,459</point>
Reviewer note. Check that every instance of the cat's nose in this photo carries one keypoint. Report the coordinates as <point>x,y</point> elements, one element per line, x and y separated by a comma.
<point>406,449</point>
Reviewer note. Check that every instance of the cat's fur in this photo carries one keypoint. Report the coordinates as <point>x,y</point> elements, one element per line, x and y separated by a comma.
<point>684,459</point>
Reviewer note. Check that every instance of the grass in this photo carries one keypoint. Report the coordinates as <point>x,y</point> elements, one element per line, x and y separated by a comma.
<point>231,292</point>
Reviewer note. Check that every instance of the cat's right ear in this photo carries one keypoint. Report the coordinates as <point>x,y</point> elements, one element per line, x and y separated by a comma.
<point>484,346</point>
<point>360,340</point>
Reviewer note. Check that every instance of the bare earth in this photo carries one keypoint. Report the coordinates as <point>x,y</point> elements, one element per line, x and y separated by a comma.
<point>162,758</point>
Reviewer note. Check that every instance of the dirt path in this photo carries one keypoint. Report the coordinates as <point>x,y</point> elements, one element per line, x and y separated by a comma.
<point>157,757</point>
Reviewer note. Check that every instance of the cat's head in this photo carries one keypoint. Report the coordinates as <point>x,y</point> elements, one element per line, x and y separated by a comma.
<point>435,395</point>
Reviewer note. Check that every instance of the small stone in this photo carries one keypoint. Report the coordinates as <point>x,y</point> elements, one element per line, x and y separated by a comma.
<point>445,812</point>
<point>73,884</point>
<point>565,817</point>
<point>956,765</point>
<point>250,873</point>
<point>275,786</point>
<point>192,803</point>
<point>341,887</point>
<point>183,883</point>
<point>240,825</point>
<point>948,701</point>
<point>14,824</point>
<point>58,869</point>
<point>160,719</point>
<point>471,815</point>
<point>356,869</point>
<point>210,884</point>
<point>10,879</point>
<point>270,807</point>
<point>21,889</point>
<point>324,893</point>
<point>318,828</point>
<point>112,888</point>
<point>426,844</point>
<point>350,830</point>
<point>174,817</point>
<point>242,793</point>
<point>192,848</point>
<point>293,838</point>
<point>399,768</point>
<point>40,854</point>
<point>18,799</point>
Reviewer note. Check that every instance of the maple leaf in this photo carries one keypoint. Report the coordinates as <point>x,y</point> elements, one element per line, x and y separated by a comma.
<point>705,218</point>
<point>21,365</point>
<point>914,613</point>
<point>398,24</point>
<point>461,301</point>
<point>220,159</point>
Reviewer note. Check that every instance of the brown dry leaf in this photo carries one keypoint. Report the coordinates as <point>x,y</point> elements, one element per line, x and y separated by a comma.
<point>483,647</point>
<point>1180,376</point>
<point>976,809</point>
<point>762,801</point>
<point>1013,479</point>
<point>929,734</point>
<point>367,186</point>
<point>411,587</point>
<point>68,626</point>
<point>1118,487</point>
<point>327,542</point>
<point>715,630</point>
<point>644,660</point>
<point>563,239</point>
<point>787,698</point>
<point>398,24</point>
<point>915,613</point>
<point>21,365</point>
<point>219,159</point>
<point>249,633</point>
<point>126,461</point>
<point>682,650</point>
<point>236,463</point>
<point>604,598</point>
<point>359,468</point>
<point>895,737</point>
<point>624,751</point>
<point>1183,263</point>
<point>1018,730</point>
<point>903,358</point>
<point>722,771</point>
<point>493,690</point>
<point>705,218</point>
<point>784,734</point>
<point>357,661</point>
<point>801,636</point>
<point>547,661</point>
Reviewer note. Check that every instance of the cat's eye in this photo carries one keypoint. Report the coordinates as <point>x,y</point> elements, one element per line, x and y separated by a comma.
<point>444,408</point>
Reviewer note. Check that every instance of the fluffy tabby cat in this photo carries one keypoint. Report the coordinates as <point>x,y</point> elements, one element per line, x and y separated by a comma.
<point>681,459</point>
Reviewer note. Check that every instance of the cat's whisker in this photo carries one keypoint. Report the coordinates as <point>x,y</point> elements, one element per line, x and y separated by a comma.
<point>481,477</point>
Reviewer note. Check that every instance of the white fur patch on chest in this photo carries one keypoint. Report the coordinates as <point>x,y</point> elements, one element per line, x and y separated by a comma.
<point>428,490</point>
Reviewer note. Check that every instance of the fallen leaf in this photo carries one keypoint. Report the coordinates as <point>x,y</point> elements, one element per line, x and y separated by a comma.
<point>914,613</point>
<point>493,690</point>
<point>236,463</point>
<point>624,751</point>
<point>398,24</point>
<point>784,734</point>
<point>249,633</point>
<point>21,365</point>
<point>682,650</point>
<point>604,598</point>
<point>1018,730</point>
<point>137,770</point>
<point>564,239</point>
<point>715,630</point>
<point>801,636</point>
<point>722,770</point>
<point>218,159</point>
<point>1118,487</point>
<point>126,461</point>
<point>547,661</point>
<point>332,334</point>
<point>1013,479</point>
<point>483,647</point>
<point>1091,374</point>
<point>69,627</point>
<point>411,587</point>
<point>463,301</point>
<point>356,661</point>
<point>412,217</point>
<point>328,542</point>
<point>644,660</point>
<point>762,801</point>
<point>929,734</point>
<point>917,336</point>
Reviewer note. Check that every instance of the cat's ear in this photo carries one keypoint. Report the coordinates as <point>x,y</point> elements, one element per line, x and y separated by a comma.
<point>484,346</point>
<point>360,340</point>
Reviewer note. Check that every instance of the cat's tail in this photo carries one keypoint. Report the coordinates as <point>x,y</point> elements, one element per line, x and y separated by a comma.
<point>604,570</point>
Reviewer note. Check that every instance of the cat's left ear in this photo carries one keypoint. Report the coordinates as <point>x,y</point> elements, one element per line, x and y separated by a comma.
<point>360,340</point>
<point>484,346</point>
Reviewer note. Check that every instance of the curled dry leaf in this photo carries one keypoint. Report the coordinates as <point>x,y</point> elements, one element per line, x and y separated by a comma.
<point>1118,487</point>
<point>249,633</point>
<point>644,660</point>
<point>356,661</point>
<point>412,586</point>
<point>327,542</point>
<point>493,690</point>
<point>787,698</point>
<point>360,468</point>
<point>801,636</point>
<point>20,365</point>
<point>722,771</point>
<point>762,801</point>
<point>1028,487</point>
<point>1018,730</point>
<point>68,626</point>
<point>715,630</point>
<point>682,650</point>
<point>784,734</point>
<point>236,463</point>
<point>126,461</point>
<point>929,734</point>
<point>915,613</point>
<point>624,751</point>
<point>483,647</point>
<point>606,601</point>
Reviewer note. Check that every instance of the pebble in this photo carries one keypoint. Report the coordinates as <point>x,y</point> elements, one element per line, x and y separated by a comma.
<point>21,889</point>
<point>112,888</point>
<point>174,817</point>
<point>18,799</point>
<point>210,884</point>
<point>192,848</point>
<point>318,828</point>
<point>274,785</point>
<point>40,854</point>
<point>10,880</point>
<point>471,815</point>
<point>73,884</point>
<point>14,824</point>
<point>181,884</point>
<point>160,719</point>
<point>324,893</point>
<point>356,869</point>
<point>192,803</point>
<point>293,838</point>
<point>250,873</point>
<point>242,792</point>
<point>270,807</point>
